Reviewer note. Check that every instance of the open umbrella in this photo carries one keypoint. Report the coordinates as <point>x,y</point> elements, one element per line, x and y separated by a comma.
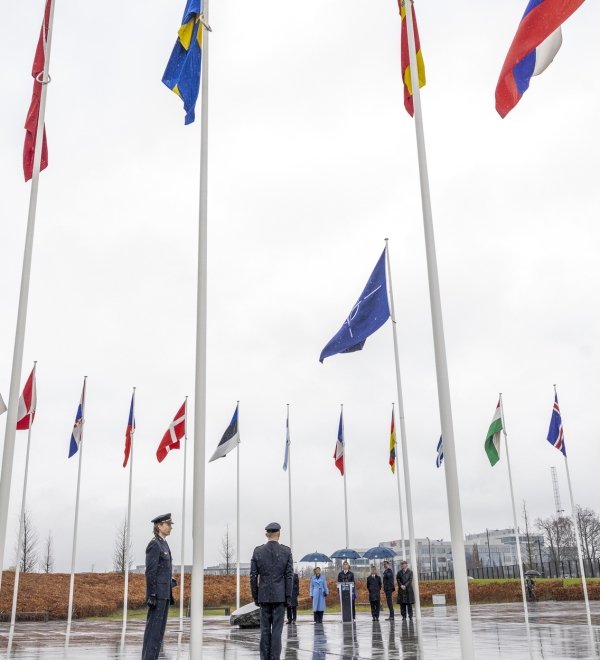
<point>533,573</point>
<point>316,556</point>
<point>379,552</point>
<point>345,553</point>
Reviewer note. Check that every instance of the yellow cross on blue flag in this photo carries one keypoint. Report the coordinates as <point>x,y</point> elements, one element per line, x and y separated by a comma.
<point>182,74</point>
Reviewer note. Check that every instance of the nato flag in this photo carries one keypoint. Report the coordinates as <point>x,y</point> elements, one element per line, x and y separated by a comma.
<point>369,313</point>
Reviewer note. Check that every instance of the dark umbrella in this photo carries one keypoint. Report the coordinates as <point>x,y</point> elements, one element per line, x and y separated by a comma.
<point>316,556</point>
<point>379,552</point>
<point>346,553</point>
<point>533,573</point>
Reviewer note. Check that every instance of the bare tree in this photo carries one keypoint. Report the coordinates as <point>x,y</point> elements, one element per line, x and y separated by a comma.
<point>227,550</point>
<point>47,561</point>
<point>123,556</point>
<point>28,558</point>
<point>589,532</point>
<point>558,533</point>
<point>528,544</point>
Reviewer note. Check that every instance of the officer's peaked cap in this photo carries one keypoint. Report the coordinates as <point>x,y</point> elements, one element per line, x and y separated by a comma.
<point>166,517</point>
<point>273,527</point>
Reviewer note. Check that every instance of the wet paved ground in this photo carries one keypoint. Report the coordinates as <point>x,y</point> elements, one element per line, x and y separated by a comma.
<point>558,632</point>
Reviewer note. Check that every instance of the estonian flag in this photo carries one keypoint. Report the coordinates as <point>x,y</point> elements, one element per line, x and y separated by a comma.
<point>230,439</point>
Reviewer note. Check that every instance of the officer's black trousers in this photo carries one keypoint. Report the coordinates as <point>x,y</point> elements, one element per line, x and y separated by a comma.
<point>271,625</point>
<point>156,623</point>
<point>390,602</point>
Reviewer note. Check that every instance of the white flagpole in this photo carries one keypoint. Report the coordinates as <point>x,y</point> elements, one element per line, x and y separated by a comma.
<point>182,573</point>
<point>404,444</point>
<point>74,551</point>
<point>463,605</point>
<point>237,569</point>
<point>288,441</point>
<point>345,466</point>
<point>399,494</point>
<point>13,613</point>
<point>199,483</point>
<point>17,361</point>
<point>128,526</point>
<point>580,555</point>
<point>516,525</point>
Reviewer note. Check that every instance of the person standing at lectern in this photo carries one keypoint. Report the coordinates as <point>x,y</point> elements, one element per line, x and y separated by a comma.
<point>346,575</point>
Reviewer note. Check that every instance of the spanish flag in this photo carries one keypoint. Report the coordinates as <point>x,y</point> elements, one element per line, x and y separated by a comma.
<point>405,60</point>
<point>182,74</point>
<point>393,445</point>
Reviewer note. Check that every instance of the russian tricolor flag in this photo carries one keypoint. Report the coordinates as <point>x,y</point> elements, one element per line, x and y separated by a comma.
<point>535,45</point>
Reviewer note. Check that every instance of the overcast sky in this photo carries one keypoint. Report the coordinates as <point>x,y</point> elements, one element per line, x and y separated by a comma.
<point>312,163</point>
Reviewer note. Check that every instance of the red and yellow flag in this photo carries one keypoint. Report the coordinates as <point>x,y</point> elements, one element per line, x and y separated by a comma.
<point>392,460</point>
<point>405,60</point>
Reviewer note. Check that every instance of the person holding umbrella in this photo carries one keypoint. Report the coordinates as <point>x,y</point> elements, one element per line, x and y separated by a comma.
<point>318,593</point>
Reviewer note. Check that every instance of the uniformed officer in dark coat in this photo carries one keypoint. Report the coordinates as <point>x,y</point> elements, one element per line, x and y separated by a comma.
<point>389,587</point>
<point>292,610</point>
<point>159,586</point>
<point>374,589</point>
<point>271,573</point>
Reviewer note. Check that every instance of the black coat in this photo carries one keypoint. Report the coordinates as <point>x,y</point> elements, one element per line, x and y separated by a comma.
<point>295,590</point>
<point>374,587</point>
<point>271,573</point>
<point>389,584</point>
<point>405,595</point>
<point>159,568</point>
<point>345,577</point>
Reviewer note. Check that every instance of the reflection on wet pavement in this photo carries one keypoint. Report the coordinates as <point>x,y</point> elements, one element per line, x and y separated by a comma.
<point>558,632</point>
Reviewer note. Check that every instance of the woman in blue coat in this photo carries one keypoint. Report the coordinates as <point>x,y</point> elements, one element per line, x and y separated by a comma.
<point>318,593</point>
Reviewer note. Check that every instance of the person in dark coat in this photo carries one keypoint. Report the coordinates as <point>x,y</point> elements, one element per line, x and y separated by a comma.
<point>159,586</point>
<point>406,594</point>
<point>389,588</point>
<point>346,575</point>
<point>374,589</point>
<point>271,579</point>
<point>293,606</point>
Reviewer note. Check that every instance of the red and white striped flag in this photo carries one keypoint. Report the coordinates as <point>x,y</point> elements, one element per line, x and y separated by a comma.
<point>27,403</point>
<point>175,432</point>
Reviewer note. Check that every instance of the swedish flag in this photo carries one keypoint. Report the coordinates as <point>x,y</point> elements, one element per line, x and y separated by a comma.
<point>182,74</point>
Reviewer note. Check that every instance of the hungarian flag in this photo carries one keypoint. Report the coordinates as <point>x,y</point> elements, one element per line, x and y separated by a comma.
<point>338,454</point>
<point>130,430</point>
<point>405,59</point>
<point>492,439</point>
<point>27,403</point>
<point>392,460</point>
<point>31,122</point>
<point>174,433</point>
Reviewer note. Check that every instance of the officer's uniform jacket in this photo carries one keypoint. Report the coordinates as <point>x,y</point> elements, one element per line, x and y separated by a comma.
<point>388,580</point>
<point>374,587</point>
<point>159,567</point>
<point>271,573</point>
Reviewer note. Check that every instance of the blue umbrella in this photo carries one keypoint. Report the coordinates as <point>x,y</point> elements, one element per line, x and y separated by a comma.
<point>346,553</point>
<point>316,556</point>
<point>379,552</point>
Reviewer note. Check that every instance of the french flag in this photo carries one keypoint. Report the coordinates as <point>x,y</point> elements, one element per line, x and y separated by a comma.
<point>338,454</point>
<point>535,45</point>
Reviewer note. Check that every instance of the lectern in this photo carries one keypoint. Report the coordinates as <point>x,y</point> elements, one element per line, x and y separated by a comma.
<point>346,590</point>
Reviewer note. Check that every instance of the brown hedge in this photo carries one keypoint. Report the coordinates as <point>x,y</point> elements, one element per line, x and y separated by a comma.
<point>100,594</point>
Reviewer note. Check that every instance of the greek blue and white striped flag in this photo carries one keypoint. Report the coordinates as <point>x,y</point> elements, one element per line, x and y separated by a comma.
<point>440,453</point>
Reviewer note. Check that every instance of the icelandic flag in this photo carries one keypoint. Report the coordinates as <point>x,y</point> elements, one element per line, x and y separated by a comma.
<point>338,454</point>
<point>176,431</point>
<point>230,439</point>
<point>27,403</point>
<point>556,436</point>
<point>130,430</point>
<point>534,46</point>
<point>286,457</point>
<point>369,313</point>
<point>182,74</point>
<point>77,433</point>
<point>440,453</point>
